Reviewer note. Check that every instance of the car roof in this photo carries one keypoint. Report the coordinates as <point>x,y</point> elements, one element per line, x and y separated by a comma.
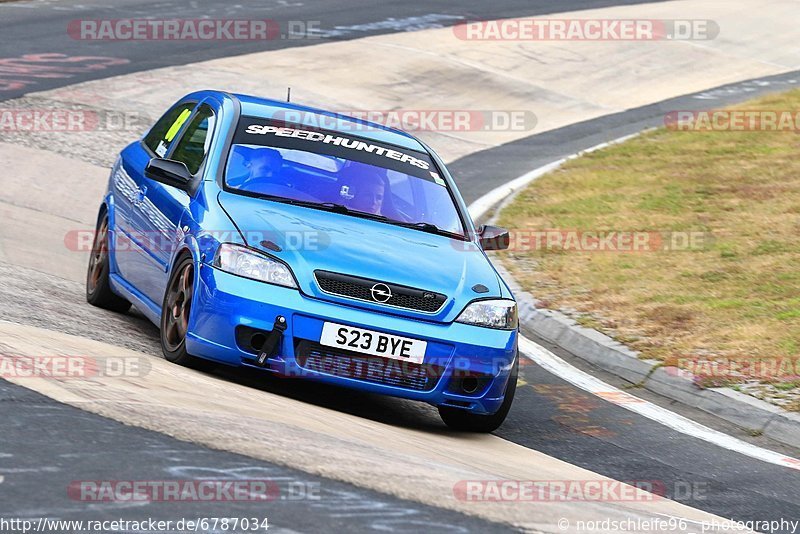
<point>313,117</point>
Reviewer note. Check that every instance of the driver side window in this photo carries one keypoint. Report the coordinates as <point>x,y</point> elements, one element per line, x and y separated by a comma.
<point>160,136</point>
<point>193,145</point>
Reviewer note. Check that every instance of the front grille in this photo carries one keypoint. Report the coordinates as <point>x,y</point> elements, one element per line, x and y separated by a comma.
<point>336,362</point>
<point>361,289</point>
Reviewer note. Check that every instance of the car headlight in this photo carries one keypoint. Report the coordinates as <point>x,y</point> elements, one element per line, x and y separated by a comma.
<point>500,314</point>
<point>242,261</point>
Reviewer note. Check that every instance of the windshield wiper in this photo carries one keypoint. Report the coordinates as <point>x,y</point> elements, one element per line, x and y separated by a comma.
<point>327,206</point>
<point>292,201</point>
<point>429,228</point>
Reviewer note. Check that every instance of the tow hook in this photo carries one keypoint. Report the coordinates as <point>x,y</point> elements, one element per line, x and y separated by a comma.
<point>273,341</point>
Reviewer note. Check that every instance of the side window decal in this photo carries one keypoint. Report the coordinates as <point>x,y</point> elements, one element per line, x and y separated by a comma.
<point>176,126</point>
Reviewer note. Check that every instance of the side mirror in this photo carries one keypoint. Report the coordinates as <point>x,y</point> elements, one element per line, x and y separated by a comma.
<point>494,238</point>
<point>169,172</point>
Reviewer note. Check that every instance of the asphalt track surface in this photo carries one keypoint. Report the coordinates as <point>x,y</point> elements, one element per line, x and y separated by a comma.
<point>46,444</point>
<point>40,27</point>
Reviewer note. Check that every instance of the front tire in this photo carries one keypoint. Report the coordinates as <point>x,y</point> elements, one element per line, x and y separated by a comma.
<point>98,286</point>
<point>459,419</point>
<point>175,313</point>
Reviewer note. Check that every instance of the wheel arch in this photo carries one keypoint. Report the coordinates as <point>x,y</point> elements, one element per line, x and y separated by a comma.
<point>185,249</point>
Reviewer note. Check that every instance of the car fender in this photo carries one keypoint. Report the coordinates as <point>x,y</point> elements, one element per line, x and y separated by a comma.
<point>187,243</point>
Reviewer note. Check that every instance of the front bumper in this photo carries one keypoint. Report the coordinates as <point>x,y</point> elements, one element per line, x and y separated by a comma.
<point>225,304</point>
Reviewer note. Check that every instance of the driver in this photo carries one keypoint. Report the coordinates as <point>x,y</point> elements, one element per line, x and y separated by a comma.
<point>262,165</point>
<point>250,166</point>
<point>369,192</point>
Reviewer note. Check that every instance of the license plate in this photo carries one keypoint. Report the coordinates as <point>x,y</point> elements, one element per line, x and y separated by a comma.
<point>373,343</point>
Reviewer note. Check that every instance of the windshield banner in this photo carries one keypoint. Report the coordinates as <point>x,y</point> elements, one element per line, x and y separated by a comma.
<point>253,131</point>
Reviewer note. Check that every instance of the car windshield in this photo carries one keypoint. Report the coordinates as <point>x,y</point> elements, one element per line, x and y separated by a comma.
<point>343,172</point>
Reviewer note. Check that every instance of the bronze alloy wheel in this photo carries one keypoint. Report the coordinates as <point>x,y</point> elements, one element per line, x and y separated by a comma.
<point>98,285</point>
<point>98,261</point>
<point>178,307</point>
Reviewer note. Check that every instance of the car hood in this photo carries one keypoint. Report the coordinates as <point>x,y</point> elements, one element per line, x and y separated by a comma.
<point>312,240</point>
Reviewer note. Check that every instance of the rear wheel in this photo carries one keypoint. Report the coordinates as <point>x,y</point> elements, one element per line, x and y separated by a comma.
<point>175,314</point>
<point>459,419</point>
<point>98,286</point>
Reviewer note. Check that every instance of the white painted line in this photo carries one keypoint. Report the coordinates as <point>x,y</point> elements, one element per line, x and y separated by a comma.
<point>552,363</point>
<point>576,377</point>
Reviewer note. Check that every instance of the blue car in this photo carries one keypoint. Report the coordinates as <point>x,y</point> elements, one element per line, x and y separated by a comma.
<point>312,245</point>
